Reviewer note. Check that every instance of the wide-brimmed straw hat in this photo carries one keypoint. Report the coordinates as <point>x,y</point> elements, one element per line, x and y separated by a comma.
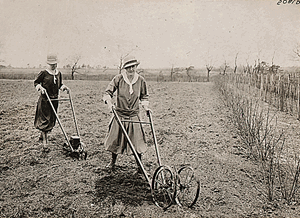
<point>52,59</point>
<point>130,61</point>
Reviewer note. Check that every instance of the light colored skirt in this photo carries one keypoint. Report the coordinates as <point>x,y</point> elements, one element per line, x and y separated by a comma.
<point>116,141</point>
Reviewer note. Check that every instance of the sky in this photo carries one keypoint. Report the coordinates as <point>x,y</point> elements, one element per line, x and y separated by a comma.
<point>159,33</point>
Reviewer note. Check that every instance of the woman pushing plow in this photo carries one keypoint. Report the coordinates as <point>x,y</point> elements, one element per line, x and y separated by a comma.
<point>126,135</point>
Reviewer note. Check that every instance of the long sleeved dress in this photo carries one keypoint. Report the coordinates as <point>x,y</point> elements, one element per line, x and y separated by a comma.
<point>127,107</point>
<point>44,117</point>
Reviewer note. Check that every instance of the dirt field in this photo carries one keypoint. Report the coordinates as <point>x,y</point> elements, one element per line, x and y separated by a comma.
<point>192,128</point>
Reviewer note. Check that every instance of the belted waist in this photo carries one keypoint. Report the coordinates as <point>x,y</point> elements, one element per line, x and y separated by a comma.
<point>127,113</point>
<point>50,96</point>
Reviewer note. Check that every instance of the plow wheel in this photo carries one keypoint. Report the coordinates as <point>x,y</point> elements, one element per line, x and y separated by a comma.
<point>163,187</point>
<point>188,188</point>
<point>83,155</point>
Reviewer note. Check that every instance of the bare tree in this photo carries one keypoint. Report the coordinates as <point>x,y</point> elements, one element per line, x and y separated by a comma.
<point>297,50</point>
<point>273,58</point>
<point>209,64</point>
<point>224,67</point>
<point>208,68</point>
<point>189,72</point>
<point>121,61</point>
<point>235,65</point>
<point>1,46</point>
<point>124,56</point>
<point>247,69</point>
<point>75,65</point>
<point>274,68</point>
<point>172,72</point>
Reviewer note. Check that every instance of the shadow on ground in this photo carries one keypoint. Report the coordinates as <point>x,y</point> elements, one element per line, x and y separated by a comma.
<point>122,184</point>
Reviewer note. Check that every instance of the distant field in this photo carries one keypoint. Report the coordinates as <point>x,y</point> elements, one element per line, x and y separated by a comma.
<point>161,75</point>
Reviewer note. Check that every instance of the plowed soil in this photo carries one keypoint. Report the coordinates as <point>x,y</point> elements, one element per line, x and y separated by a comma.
<point>192,128</point>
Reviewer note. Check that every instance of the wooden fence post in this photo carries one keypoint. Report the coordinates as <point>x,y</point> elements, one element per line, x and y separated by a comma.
<point>289,99</point>
<point>250,78</point>
<point>266,89</point>
<point>271,89</point>
<point>282,94</point>
<point>278,93</point>
<point>254,82</point>
<point>244,81</point>
<point>298,95</point>
<point>261,86</point>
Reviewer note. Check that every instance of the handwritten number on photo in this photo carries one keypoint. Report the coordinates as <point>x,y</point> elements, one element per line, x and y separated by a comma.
<point>280,2</point>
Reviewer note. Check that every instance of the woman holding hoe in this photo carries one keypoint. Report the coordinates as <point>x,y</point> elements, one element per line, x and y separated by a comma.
<point>49,80</point>
<point>131,89</point>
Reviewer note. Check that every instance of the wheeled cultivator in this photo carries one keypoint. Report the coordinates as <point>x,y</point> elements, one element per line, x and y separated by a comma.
<point>73,146</point>
<point>167,187</point>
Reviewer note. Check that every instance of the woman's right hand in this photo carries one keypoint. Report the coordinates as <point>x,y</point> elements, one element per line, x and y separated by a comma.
<point>110,106</point>
<point>41,89</point>
<point>107,101</point>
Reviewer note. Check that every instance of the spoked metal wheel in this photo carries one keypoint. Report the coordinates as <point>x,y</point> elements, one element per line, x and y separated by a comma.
<point>83,155</point>
<point>163,187</point>
<point>188,188</point>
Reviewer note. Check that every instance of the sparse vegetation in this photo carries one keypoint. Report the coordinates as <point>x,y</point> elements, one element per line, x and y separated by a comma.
<point>263,141</point>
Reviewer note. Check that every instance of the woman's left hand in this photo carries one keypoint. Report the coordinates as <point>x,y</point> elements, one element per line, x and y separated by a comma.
<point>147,109</point>
<point>65,88</point>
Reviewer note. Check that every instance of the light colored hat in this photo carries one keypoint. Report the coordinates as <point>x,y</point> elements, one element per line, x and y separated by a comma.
<point>51,59</point>
<point>130,61</point>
